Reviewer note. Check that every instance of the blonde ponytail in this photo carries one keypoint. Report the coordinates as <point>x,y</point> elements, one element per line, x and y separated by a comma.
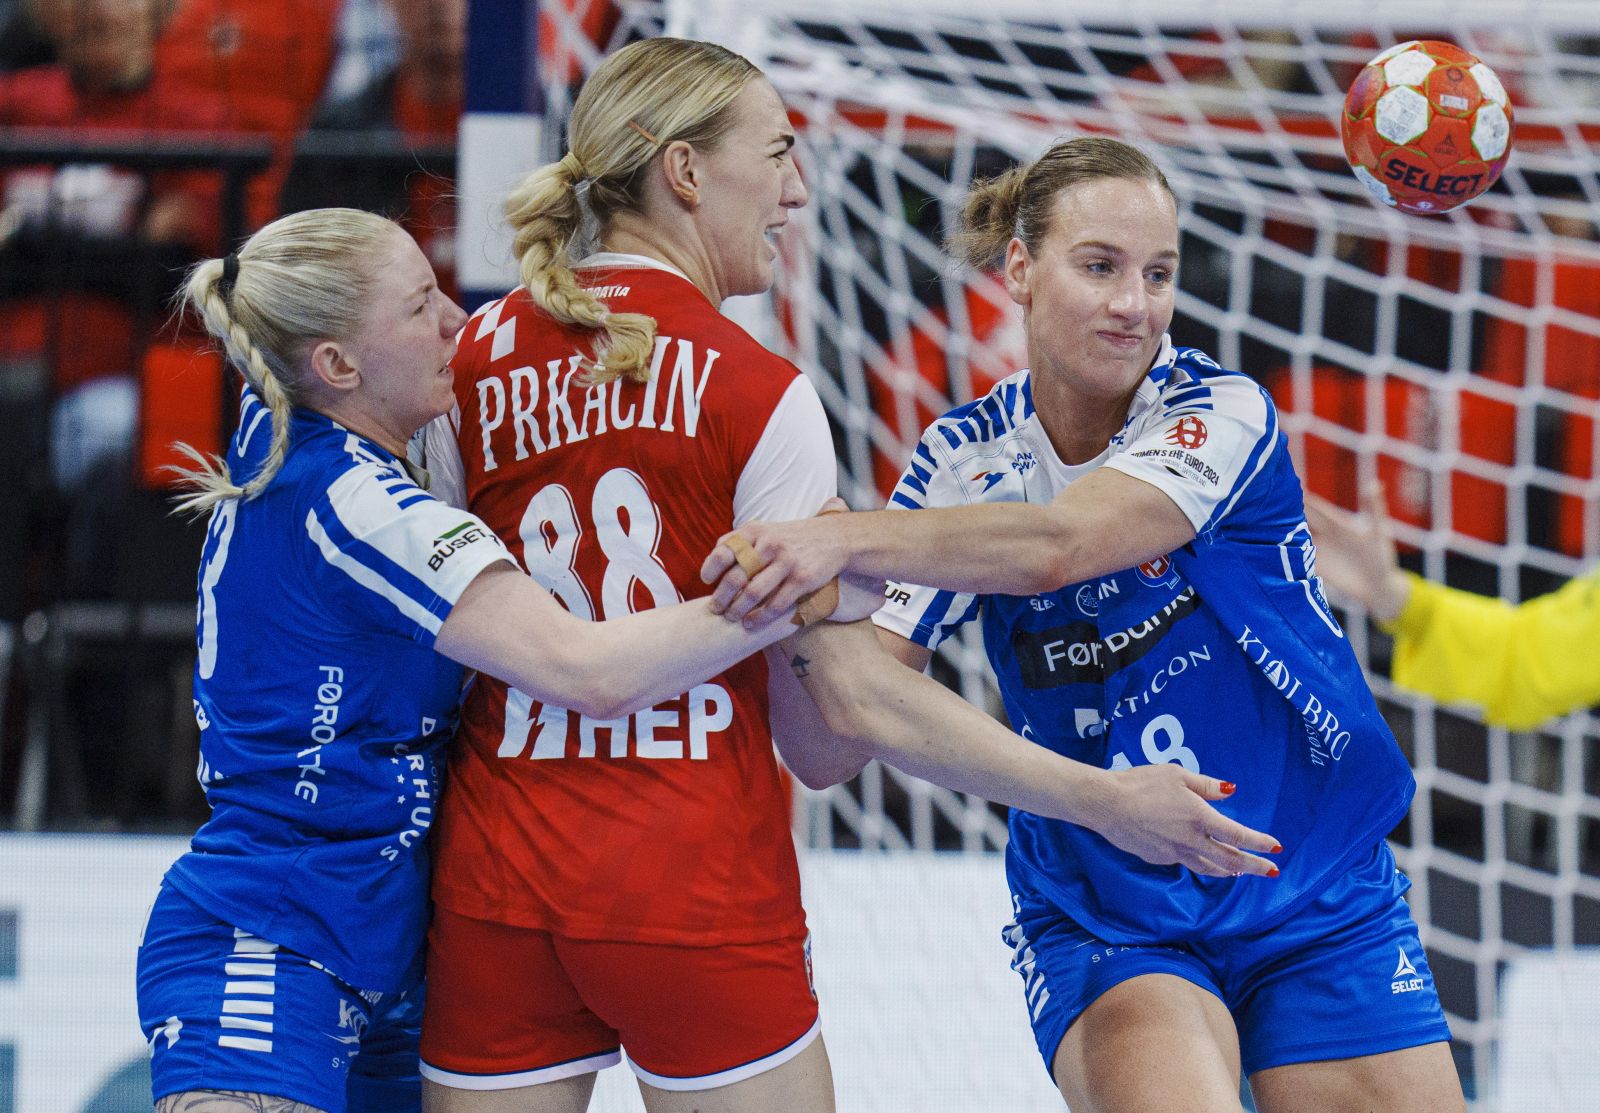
<point>545,216</point>
<point>302,278</point>
<point>646,95</point>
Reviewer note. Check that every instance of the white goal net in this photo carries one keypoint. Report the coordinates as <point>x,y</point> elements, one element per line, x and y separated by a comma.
<point>1457,358</point>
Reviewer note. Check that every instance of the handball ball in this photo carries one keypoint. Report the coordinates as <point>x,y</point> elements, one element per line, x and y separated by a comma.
<point>1427,127</point>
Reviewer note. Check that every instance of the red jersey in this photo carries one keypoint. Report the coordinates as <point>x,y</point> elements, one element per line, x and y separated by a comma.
<point>667,826</point>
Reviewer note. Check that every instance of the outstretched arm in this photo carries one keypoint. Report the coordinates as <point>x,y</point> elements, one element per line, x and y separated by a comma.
<point>1158,812</point>
<point>1356,556</point>
<point>1519,664</point>
<point>1105,522</point>
<point>506,625</point>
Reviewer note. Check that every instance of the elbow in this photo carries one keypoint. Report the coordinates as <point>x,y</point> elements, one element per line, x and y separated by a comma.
<point>580,679</point>
<point>1046,576</point>
<point>822,762</point>
<point>849,722</point>
<point>1064,558</point>
<point>601,699</point>
<point>819,779</point>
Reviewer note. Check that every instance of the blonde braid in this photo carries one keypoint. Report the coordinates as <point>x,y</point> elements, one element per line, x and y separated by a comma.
<point>545,217</point>
<point>210,481</point>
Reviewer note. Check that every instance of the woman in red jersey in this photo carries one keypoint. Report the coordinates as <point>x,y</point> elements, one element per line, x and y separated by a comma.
<point>632,882</point>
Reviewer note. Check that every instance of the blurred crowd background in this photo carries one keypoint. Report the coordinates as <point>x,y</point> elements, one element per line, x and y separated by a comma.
<point>137,136</point>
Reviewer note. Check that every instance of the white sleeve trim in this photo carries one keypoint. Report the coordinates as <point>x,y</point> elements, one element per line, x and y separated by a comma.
<point>792,470</point>
<point>441,456</point>
<point>401,544</point>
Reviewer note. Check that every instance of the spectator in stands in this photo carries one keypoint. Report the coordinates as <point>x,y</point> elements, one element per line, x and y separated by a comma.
<point>89,248</point>
<point>415,106</point>
<point>22,44</point>
<point>267,63</point>
<point>1518,664</point>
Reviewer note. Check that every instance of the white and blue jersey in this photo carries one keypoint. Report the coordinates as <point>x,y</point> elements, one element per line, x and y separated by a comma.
<point>1222,656</point>
<point>321,701</point>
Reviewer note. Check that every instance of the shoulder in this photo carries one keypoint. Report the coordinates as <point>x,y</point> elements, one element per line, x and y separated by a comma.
<point>1196,382</point>
<point>330,468</point>
<point>1189,400</point>
<point>965,456</point>
<point>975,425</point>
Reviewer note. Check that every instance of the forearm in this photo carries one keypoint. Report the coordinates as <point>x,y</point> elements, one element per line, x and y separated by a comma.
<point>1003,548</point>
<point>507,626</point>
<point>917,725</point>
<point>809,748</point>
<point>1102,523</point>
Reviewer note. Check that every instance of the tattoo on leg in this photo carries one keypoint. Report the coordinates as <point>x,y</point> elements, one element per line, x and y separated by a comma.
<point>798,664</point>
<point>230,1101</point>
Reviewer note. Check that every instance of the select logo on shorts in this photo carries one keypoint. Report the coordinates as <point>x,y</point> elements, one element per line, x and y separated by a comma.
<point>1405,978</point>
<point>1188,433</point>
<point>448,544</point>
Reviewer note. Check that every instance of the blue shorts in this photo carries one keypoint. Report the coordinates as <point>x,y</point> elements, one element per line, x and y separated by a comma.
<point>225,1010</point>
<point>1344,976</point>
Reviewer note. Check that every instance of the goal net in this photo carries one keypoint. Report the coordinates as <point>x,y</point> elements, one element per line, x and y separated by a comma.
<point>1455,358</point>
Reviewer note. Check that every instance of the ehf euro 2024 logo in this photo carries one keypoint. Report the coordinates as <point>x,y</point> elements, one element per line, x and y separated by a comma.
<point>1187,433</point>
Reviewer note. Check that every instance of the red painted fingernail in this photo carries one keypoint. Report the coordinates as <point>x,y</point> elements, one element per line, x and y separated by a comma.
<point>1227,788</point>
<point>1276,849</point>
<point>1273,872</point>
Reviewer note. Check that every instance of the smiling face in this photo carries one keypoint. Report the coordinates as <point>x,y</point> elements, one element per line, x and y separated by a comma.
<point>1098,295</point>
<point>747,185</point>
<point>404,344</point>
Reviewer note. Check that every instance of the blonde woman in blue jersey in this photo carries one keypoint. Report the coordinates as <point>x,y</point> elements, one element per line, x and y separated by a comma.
<point>1124,520</point>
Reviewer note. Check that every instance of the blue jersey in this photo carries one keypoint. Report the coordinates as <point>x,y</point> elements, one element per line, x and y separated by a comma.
<point>1223,656</point>
<point>321,701</point>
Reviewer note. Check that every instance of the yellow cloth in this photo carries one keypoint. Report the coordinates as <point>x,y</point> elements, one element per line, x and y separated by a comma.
<point>1520,664</point>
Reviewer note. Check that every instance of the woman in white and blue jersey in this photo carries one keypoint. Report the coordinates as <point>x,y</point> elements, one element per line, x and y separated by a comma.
<point>338,601</point>
<point>1123,519</point>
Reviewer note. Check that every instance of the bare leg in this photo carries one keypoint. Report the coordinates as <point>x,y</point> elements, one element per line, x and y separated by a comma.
<point>230,1101</point>
<point>567,1095</point>
<point>1152,1044</point>
<point>1415,1080</point>
<point>802,1085</point>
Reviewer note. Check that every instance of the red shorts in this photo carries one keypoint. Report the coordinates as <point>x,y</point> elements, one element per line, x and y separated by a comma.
<point>510,1006</point>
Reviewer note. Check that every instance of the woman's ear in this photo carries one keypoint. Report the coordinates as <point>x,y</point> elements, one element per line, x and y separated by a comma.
<point>331,366</point>
<point>679,164</point>
<point>1018,272</point>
